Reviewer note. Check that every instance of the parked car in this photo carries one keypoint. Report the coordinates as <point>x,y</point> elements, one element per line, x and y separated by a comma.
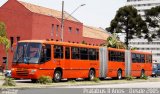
<point>156,70</point>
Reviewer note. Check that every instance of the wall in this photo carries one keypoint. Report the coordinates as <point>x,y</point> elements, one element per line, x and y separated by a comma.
<point>42,28</point>
<point>18,23</point>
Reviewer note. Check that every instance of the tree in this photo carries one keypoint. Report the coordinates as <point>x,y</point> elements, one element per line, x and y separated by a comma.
<point>128,21</point>
<point>152,18</point>
<point>3,40</point>
<point>113,42</point>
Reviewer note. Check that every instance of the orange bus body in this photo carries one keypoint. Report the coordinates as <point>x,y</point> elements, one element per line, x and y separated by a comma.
<point>114,66</point>
<point>79,68</point>
<point>71,68</point>
<point>138,67</point>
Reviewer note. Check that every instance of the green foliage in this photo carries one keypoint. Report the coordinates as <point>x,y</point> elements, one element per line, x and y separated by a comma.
<point>97,80</point>
<point>9,82</point>
<point>128,21</point>
<point>72,81</point>
<point>45,80</point>
<point>144,77</point>
<point>152,19</point>
<point>4,40</point>
<point>113,42</point>
<point>133,48</point>
<point>129,78</point>
<point>3,36</point>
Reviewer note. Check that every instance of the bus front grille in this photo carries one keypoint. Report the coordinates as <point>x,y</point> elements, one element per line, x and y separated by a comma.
<point>22,72</point>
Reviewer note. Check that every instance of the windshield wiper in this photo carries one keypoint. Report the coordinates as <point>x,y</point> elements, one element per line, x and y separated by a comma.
<point>19,58</point>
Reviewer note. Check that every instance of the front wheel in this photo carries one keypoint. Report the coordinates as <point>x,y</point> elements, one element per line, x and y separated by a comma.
<point>91,75</point>
<point>57,76</point>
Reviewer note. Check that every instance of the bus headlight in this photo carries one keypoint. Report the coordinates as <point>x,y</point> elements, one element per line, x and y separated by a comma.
<point>12,69</point>
<point>33,71</point>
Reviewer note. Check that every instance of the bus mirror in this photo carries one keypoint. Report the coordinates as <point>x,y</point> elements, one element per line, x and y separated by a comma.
<point>4,60</point>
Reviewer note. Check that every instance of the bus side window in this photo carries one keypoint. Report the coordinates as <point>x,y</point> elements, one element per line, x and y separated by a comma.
<point>97,54</point>
<point>67,53</point>
<point>75,53</point>
<point>58,51</point>
<point>84,53</point>
<point>138,58</point>
<point>133,58</point>
<point>48,52</point>
<point>45,53</point>
<point>92,54</point>
<point>142,59</point>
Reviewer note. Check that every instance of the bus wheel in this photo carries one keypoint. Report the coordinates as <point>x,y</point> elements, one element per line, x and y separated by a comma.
<point>119,75</point>
<point>57,76</point>
<point>142,73</point>
<point>91,75</point>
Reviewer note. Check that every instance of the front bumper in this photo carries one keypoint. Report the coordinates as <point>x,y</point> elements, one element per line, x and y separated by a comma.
<point>24,73</point>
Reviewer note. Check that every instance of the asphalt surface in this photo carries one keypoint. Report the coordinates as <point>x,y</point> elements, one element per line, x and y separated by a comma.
<point>80,89</point>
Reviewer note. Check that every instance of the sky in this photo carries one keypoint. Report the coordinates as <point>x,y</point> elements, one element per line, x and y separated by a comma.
<point>97,13</point>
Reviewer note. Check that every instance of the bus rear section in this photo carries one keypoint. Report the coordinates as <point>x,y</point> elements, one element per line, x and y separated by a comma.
<point>141,64</point>
<point>119,63</point>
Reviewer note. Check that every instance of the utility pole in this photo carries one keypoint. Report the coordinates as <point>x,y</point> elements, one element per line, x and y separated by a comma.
<point>62,22</point>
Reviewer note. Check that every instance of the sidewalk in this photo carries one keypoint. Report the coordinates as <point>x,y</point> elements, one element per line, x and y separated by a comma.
<point>27,83</point>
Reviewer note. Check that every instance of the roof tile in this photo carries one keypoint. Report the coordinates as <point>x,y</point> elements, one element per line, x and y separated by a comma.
<point>47,11</point>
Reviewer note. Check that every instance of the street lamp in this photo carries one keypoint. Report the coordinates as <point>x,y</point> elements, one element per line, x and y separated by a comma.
<point>62,20</point>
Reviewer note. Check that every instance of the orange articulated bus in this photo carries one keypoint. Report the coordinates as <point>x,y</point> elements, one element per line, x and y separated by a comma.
<point>36,58</point>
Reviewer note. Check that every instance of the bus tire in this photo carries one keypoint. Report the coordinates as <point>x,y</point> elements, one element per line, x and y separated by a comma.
<point>57,76</point>
<point>142,73</point>
<point>91,75</point>
<point>119,75</point>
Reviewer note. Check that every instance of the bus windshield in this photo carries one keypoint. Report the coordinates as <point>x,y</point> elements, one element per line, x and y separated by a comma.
<point>27,53</point>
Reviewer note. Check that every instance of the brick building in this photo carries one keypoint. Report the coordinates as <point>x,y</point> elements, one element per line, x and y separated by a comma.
<point>26,21</point>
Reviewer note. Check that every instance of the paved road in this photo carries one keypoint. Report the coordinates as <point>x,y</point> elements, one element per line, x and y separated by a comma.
<point>126,85</point>
<point>76,90</point>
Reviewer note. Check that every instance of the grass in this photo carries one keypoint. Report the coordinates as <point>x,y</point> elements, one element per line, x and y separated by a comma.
<point>97,80</point>
<point>144,77</point>
<point>78,82</point>
<point>9,82</point>
<point>2,77</point>
<point>129,78</point>
<point>72,81</point>
<point>45,80</point>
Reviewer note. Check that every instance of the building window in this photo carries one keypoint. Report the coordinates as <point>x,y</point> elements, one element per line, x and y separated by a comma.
<point>52,31</point>
<point>77,30</point>
<point>12,41</point>
<point>57,28</point>
<point>70,29</point>
<point>18,39</point>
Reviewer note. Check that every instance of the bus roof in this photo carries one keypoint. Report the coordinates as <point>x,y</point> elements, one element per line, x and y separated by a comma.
<point>59,43</point>
<point>140,52</point>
